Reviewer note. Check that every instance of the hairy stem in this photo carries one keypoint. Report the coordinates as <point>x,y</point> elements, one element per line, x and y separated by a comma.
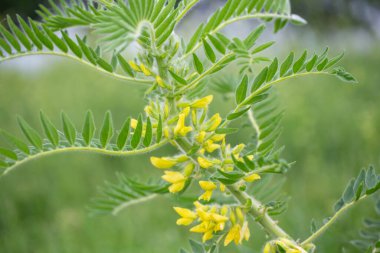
<point>115,75</point>
<point>257,211</point>
<point>323,229</point>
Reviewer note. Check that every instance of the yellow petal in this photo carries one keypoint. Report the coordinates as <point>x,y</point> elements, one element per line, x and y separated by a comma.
<point>252,178</point>
<point>207,185</point>
<point>218,218</point>
<point>200,137</point>
<point>203,102</point>
<point>163,162</point>
<point>199,229</point>
<point>222,188</point>
<point>210,146</point>
<point>160,82</point>
<point>232,235</point>
<point>184,221</point>
<point>185,213</point>
<point>207,236</point>
<point>189,168</point>
<point>145,70</point>
<point>218,137</point>
<point>177,187</point>
<point>204,163</point>
<point>206,196</point>
<point>134,66</point>
<point>173,177</point>
<point>214,122</point>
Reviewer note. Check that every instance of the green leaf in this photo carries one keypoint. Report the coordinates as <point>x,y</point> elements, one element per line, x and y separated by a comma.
<point>311,63</point>
<point>15,141</point>
<point>104,65</point>
<point>371,178</point>
<point>262,47</point>
<point>272,70</point>
<point>8,153</point>
<point>148,133</point>
<point>12,40</point>
<point>287,64</point>
<point>217,44</point>
<point>137,134</point>
<point>40,35</point>
<point>338,205</point>
<point>198,64</point>
<point>349,193</point>
<point>88,131</point>
<point>31,134</point>
<point>68,129</point>
<point>107,130</point>
<point>241,90</point>
<point>178,78</point>
<point>73,47</point>
<point>20,35</point>
<point>29,32</point>
<point>300,63</point>
<point>125,66</point>
<point>359,191</point>
<point>124,133</point>
<point>255,99</point>
<point>234,175</point>
<point>197,247</point>
<point>253,36</point>
<point>50,130</point>
<point>57,41</point>
<point>260,79</point>
<point>344,75</point>
<point>209,51</point>
<point>195,38</point>
<point>233,116</point>
<point>334,61</point>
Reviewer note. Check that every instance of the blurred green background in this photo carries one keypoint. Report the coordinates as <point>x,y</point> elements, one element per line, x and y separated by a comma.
<point>331,130</point>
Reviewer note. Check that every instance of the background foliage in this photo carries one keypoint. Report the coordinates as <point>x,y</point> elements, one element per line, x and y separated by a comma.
<point>331,130</point>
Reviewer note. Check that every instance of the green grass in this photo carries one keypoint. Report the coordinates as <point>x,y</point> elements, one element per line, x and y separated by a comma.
<point>330,129</point>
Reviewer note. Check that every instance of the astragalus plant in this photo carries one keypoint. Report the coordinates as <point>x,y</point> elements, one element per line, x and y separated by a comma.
<point>177,74</point>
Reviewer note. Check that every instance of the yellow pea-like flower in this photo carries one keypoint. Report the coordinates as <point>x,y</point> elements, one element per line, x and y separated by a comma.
<point>207,185</point>
<point>222,187</point>
<point>239,214</point>
<point>177,180</point>
<point>233,235</point>
<point>145,70</point>
<point>188,170</point>
<point>210,146</point>
<point>252,178</point>
<point>205,163</point>
<point>214,122</point>
<point>207,236</point>
<point>177,187</point>
<point>160,82</point>
<point>187,216</point>
<point>201,228</point>
<point>200,137</point>
<point>269,248</point>
<point>180,128</point>
<point>134,66</point>
<point>203,102</point>
<point>163,162</point>
<point>218,137</point>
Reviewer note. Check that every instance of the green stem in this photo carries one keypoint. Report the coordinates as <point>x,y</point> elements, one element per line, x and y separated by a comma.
<point>186,10</point>
<point>118,76</point>
<point>84,149</point>
<point>323,229</point>
<point>257,211</point>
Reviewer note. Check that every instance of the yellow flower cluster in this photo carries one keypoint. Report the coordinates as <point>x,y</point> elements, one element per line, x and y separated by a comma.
<point>211,219</point>
<point>239,230</point>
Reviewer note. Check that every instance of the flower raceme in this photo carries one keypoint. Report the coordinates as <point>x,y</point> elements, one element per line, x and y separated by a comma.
<point>192,126</point>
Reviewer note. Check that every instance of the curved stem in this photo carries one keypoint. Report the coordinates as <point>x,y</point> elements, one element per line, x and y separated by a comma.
<point>186,10</point>
<point>84,149</point>
<point>118,76</point>
<point>323,229</point>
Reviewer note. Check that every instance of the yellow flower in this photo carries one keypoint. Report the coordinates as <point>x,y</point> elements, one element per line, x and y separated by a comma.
<point>160,82</point>
<point>208,187</point>
<point>222,187</point>
<point>177,180</point>
<point>233,235</point>
<point>201,228</point>
<point>210,146</point>
<point>203,102</point>
<point>189,168</point>
<point>163,162</point>
<point>269,248</point>
<point>187,216</point>
<point>218,137</point>
<point>252,178</point>
<point>200,137</point>
<point>214,122</point>
<point>180,128</point>
<point>134,66</point>
<point>149,110</point>
<point>145,70</point>
<point>239,214</point>
<point>205,163</point>
<point>207,236</point>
